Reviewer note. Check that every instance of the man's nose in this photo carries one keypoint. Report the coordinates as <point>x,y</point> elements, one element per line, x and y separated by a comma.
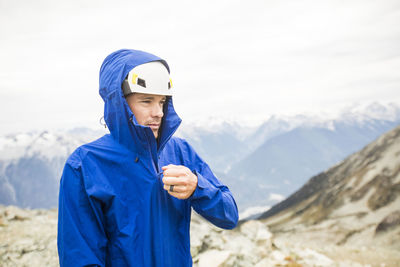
<point>157,111</point>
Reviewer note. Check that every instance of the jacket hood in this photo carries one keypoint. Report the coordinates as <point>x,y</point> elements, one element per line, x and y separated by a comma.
<point>118,116</point>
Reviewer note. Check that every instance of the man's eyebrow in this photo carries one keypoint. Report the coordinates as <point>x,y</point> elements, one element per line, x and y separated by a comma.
<point>146,97</point>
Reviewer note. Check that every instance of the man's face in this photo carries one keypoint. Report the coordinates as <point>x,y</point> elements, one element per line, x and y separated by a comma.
<point>148,109</point>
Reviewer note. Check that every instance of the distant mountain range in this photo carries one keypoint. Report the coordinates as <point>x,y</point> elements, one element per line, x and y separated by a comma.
<point>261,165</point>
<point>283,163</point>
<point>279,156</point>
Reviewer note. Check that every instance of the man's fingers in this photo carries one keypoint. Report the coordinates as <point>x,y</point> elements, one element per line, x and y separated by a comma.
<point>174,171</point>
<point>174,180</point>
<point>179,195</point>
<point>170,166</point>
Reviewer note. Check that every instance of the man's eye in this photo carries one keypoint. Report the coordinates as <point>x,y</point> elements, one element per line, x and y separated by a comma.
<point>146,101</point>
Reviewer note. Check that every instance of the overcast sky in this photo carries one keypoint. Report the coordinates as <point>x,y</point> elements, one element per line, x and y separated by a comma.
<point>236,60</point>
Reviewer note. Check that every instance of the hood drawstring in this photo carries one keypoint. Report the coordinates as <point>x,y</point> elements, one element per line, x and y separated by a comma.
<point>102,122</point>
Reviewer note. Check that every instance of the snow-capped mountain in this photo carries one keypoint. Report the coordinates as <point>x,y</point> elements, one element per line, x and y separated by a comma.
<point>31,165</point>
<point>283,163</point>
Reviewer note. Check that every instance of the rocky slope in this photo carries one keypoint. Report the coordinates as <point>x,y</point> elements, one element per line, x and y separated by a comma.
<point>28,238</point>
<point>251,244</point>
<point>353,204</point>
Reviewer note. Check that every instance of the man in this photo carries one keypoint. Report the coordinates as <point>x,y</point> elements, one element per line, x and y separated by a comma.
<point>126,198</point>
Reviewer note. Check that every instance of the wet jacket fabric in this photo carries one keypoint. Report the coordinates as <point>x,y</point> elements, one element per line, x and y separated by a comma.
<point>113,210</point>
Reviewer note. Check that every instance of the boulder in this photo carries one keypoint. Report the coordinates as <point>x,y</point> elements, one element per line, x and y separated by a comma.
<point>389,222</point>
<point>214,258</point>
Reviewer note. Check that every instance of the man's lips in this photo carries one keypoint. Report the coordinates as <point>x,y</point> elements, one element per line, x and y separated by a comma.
<point>153,125</point>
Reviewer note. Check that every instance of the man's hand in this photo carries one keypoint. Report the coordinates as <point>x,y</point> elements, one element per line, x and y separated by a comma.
<point>181,179</point>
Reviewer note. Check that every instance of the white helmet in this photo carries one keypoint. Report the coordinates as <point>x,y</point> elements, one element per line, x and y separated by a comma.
<point>148,78</point>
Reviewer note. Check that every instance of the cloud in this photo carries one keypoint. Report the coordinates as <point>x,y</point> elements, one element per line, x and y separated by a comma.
<point>231,58</point>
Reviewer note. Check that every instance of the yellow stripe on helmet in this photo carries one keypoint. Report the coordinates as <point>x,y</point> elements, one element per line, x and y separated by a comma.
<point>134,78</point>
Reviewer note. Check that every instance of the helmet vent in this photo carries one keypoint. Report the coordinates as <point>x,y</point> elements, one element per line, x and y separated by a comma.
<point>141,82</point>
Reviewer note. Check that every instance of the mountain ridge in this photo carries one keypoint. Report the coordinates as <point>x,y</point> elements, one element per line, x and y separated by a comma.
<point>356,202</point>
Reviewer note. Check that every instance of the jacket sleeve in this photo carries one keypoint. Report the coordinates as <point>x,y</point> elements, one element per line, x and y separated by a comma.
<point>211,199</point>
<point>81,239</point>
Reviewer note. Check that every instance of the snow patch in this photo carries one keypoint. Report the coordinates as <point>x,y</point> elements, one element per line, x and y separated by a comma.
<point>276,197</point>
<point>253,211</point>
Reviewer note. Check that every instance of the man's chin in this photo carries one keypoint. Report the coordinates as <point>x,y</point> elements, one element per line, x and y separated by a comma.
<point>155,134</point>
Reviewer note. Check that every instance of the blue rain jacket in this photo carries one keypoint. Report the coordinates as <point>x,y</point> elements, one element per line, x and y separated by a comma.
<point>113,210</point>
